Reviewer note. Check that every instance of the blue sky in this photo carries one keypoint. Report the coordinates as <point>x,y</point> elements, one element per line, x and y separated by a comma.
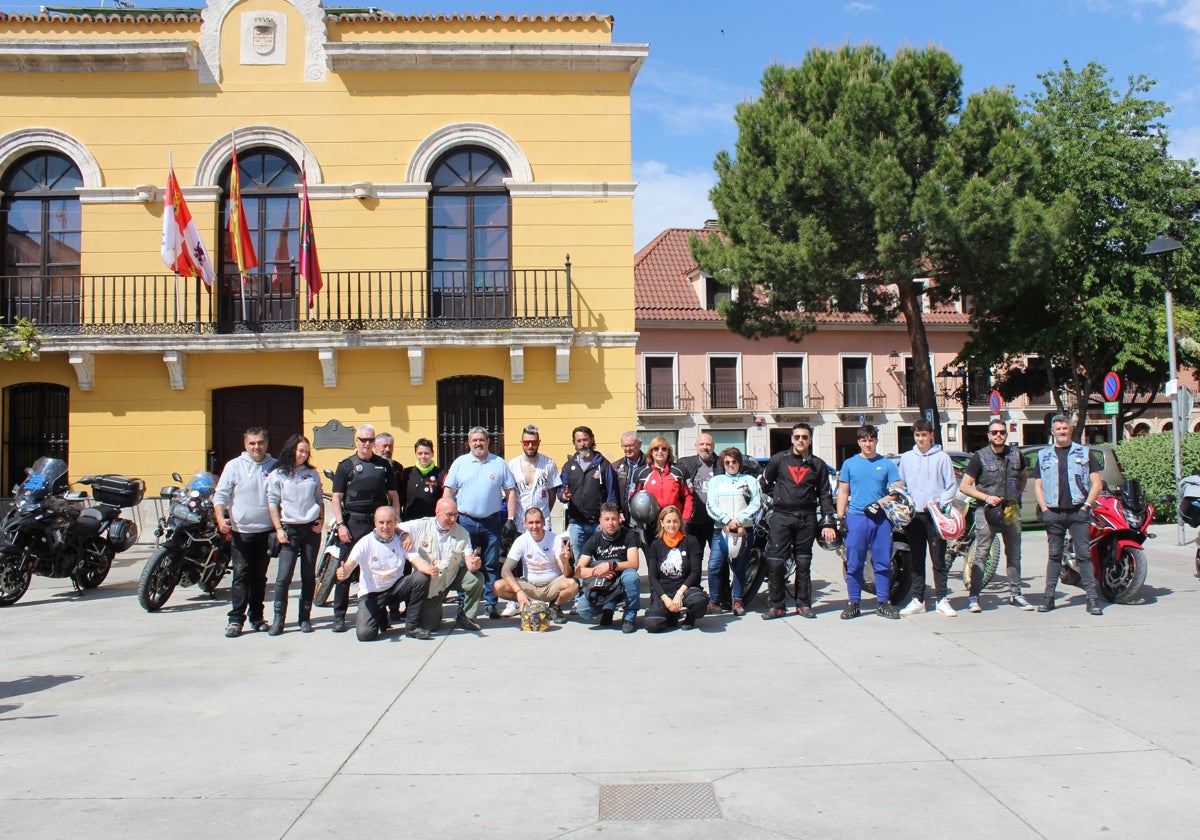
<point>706,56</point>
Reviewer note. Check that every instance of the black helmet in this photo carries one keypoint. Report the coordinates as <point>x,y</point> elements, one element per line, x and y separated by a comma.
<point>644,508</point>
<point>831,545</point>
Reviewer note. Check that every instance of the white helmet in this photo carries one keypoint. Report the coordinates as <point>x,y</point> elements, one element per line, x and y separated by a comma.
<point>900,510</point>
<point>949,520</point>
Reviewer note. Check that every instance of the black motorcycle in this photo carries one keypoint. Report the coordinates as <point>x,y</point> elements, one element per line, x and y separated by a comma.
<point>56,534</point>
<point>191,551</point>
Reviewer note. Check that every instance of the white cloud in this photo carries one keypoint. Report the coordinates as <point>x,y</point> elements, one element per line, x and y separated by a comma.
<point>857,8</point>
<point>686,103</point>
<point>1187,14</point>
<point>667,198</point>
<point>1185,143</point>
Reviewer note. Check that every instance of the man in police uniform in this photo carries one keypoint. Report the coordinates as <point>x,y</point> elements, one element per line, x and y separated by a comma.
<point>361,484</point>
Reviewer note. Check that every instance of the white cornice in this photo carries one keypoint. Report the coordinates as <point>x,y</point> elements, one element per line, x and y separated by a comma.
<point>574,189</point>
<point>448,56</point>
<point>65,56</point>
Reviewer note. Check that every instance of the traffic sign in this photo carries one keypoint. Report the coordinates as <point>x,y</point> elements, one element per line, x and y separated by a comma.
<point>1111,407</point>
<point>994,402</point>
<point>1112,386</point>
<point>929,415</point>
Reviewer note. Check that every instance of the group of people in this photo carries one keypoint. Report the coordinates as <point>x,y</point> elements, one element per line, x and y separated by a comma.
<point>411,536</point>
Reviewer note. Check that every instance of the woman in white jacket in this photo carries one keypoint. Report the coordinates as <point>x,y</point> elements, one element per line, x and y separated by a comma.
<point>734,502</point>
<point>297,507</point>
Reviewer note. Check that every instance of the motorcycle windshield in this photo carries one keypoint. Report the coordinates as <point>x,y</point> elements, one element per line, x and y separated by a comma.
<point>203,482</point>
<point>42,477</point>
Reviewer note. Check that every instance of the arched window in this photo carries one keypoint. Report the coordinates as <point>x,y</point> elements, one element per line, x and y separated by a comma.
<point>470,245</point>
<point>269,183</point>
<point>41,224</point>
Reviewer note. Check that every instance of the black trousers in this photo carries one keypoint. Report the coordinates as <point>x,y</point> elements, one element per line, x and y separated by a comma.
<point>923,534</point>
<point>792,534</point>
<point>372,619</point>
<point>251,556</point>
<point>659,618</point>
<point>341,590</point>
<point>300,548</point>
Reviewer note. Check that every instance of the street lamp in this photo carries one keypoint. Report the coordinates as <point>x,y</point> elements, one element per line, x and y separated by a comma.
<point>961,372</point>
<point>1164,246</point>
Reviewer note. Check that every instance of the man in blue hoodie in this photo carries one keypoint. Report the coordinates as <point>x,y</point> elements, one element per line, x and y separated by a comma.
<point>929,476</point>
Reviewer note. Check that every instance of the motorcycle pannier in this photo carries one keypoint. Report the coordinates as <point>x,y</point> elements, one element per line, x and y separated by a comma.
<point>118,490</point>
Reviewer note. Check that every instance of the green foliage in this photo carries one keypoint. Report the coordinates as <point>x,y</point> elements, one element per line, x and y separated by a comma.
<point>20,341</point>
<point>1108,186</point>
<point>1151,460</point>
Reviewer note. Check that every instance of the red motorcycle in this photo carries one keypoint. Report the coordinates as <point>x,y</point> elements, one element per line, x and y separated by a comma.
<point>1120,521</point>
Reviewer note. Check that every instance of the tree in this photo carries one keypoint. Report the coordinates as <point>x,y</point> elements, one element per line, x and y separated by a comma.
<point>855,174</point>
<point>20,341</point>
<point>1097,304</point>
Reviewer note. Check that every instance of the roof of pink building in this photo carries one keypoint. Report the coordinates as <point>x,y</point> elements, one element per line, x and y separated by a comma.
<point>663,289</point>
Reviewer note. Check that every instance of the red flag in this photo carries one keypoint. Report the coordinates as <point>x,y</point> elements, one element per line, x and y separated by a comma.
<point>240,243</point>
<point>310,268</point>
<point>281,271</point>
<point>182,249</point>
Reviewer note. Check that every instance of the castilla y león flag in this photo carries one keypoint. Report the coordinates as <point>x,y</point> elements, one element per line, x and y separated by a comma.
<point>310,268</point>
<point>182,249</point>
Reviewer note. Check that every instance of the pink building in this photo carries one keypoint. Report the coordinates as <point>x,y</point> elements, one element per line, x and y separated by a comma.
<point>695,375</point>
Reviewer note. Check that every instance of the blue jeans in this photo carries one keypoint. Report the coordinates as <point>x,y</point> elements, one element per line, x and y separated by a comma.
<point>485,535</point>
<point>632,596</point>
<point>865,532</point>
<point>579,533</point>
<point>718,555</point>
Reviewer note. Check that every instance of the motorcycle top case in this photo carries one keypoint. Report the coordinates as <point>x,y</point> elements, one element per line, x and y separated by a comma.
<point>118,490</point>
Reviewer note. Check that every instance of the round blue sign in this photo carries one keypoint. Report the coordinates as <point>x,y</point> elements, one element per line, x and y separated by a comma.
<point>994,402</point>
<point>1112,386</point>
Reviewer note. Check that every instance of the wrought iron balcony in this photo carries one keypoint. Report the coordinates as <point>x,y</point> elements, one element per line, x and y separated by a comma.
<point>860,394</point>
<point>93,304</point>
<point>665,399</point>
<point>729,397</point>
<point>794,397</point>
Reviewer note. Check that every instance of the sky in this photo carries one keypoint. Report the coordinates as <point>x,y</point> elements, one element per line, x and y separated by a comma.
<point>707,56</point>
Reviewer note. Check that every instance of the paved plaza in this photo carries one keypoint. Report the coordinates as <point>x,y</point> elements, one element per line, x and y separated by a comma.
<point>120,724</point>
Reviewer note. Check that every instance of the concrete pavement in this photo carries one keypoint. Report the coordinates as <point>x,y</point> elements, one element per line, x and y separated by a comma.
<point>117,723</point>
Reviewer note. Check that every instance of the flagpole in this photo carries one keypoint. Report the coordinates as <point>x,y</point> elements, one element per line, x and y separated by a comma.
<point>236,237</point>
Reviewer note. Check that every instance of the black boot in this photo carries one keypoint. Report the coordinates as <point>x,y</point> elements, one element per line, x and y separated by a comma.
<point>1094,608</point>
<point>305,620</point>
<point>277,624</point>
<point>1047,603</point>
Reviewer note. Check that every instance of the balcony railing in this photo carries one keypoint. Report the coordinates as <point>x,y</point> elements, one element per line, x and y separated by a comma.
<point>94,304</point>
<point>731,397</point>
<point>666,398</point>
<point>793,397</point>
<point>860,394</point>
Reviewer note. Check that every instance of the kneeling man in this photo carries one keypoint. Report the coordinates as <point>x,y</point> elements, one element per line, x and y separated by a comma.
<point>445,546</point>
<point>609,564</point>
<point>383,582</point>
<point>548,567</point>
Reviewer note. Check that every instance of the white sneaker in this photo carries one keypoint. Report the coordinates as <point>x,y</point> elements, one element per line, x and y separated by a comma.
<point>943,606</point>
<point>914,607</point>
<point>511,608</point>
<point>973,605</point>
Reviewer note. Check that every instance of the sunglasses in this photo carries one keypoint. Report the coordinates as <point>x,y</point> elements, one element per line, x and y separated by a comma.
<point>366,440</point>
<point>660,449</point>
<point>999,432</point>
<point>801,437</point>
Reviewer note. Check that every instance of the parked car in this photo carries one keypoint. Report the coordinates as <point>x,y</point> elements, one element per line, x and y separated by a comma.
<point>1111,474</point>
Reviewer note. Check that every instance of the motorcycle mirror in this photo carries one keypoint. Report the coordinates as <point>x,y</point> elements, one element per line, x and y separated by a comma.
<point>177,477</point>
<point>328,474</point>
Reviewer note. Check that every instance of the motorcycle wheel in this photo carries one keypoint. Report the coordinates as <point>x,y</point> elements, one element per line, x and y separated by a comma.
<point>990,564</point>
<point>159,578</point>
<point>95,566</point>
<point>1121,581</point>
<point>325,582</point>
<point>211,578</point>
<point>756,573</point>
<point>14,579</point>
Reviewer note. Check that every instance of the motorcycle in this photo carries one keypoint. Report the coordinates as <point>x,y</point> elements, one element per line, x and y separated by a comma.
<point>55,534</point>
<point>191,550</point>
<point>327,560</point>
<point>1117,532</point>
<point>963,548</point>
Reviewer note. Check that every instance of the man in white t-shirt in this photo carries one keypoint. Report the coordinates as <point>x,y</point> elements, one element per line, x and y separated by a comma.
<point>388,575</point>
<point>548,564</point>
<point>537,478</point>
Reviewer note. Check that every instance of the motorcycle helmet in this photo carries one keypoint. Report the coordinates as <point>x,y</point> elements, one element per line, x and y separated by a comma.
<point>535,617</point>
<point>899,511</point>
<point>204,482</point>
<point>831,545</point>
<point>735,543</point>
<point>1189,500</point>
<point>950,522</point>
<point>994,515</point>
<point>644,508</point>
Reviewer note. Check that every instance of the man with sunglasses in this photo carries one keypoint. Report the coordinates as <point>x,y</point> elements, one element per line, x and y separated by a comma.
<point>996,476</point>
<point>798,482</point>
<point>362,483</point>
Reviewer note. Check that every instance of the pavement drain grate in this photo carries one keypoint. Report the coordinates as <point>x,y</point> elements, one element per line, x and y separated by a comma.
<point>694,801</point>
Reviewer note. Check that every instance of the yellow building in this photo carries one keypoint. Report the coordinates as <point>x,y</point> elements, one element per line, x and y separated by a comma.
<point>471,194</point>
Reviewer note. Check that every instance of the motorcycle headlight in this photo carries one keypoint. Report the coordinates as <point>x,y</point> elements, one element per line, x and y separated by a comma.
<point>1134,518</point>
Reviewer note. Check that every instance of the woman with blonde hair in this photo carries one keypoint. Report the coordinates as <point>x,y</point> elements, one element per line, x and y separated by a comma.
<point>675,561</point>
<point>662,479</point>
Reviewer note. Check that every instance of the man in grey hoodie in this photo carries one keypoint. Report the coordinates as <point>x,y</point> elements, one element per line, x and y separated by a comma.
<point>240,505</point>
<point>929,476</point>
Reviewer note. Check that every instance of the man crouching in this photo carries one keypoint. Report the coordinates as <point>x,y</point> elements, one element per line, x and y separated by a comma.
<point>546,558</point>
<point>383,583</point>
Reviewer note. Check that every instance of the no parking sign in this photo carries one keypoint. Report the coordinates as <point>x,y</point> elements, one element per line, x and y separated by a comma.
<point>1112,386</point>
